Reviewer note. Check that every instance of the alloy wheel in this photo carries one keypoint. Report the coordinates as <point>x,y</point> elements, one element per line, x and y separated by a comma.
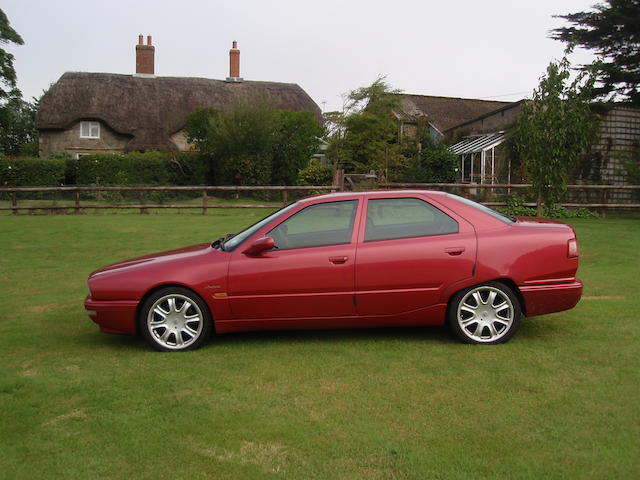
<point>485,314</point>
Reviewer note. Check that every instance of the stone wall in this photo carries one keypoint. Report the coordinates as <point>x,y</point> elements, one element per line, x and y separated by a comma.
<point>69,141</point>
<point>179,139</point>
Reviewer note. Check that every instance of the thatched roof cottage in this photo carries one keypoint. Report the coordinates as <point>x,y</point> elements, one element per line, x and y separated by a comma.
<point>86,113</point>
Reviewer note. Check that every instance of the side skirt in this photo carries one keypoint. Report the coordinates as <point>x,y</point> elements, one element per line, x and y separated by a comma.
<point>433,315</point>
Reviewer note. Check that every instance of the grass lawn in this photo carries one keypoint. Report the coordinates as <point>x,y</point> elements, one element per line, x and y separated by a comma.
<point>561,400</point>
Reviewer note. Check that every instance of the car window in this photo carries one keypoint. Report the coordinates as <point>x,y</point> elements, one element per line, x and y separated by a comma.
<point>317,225</point>
<point>236,240</point>
<point>489,211</point>
<point>389,218</point>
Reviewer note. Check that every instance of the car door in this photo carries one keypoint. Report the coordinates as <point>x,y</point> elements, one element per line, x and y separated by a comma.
<point>310,273</point>
<point>408,252</point>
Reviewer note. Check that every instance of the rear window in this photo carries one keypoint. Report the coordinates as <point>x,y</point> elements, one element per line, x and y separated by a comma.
<point>390,218</point>
<point>489,211</point>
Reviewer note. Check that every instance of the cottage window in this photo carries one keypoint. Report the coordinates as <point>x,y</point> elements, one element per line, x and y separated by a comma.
<point>89,129</point>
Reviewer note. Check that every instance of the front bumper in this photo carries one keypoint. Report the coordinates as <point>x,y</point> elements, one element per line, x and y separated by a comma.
<point>546,298</point>
<point>113,316</point>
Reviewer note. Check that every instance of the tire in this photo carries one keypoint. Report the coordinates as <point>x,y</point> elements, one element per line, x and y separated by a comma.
<point>175,319</point>
<point>485,314</point>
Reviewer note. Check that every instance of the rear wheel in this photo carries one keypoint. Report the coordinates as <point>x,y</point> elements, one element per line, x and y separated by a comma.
<point>175,319</point>
<point>487,314</point>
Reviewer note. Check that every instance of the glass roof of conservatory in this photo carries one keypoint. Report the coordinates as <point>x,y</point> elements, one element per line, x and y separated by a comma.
<point>478,143</point>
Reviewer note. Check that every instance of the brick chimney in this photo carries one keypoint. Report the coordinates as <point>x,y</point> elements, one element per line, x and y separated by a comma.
<point>145,57</point>
<point>234,64</point>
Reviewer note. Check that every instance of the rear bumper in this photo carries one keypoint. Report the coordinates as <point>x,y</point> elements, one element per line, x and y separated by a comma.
<point>541,299</point>
<point>113,316</point>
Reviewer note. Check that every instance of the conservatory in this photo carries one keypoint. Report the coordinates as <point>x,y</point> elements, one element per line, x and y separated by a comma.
<point>483,159</point>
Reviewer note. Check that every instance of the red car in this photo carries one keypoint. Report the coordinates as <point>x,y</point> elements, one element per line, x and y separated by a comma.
<point>362,259</point>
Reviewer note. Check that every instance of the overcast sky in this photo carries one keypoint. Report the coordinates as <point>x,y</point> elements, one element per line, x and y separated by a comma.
<point>492,49</point>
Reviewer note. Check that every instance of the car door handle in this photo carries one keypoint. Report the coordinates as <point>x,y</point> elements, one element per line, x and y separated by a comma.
<point>454,250</point>
<point>338,260</point>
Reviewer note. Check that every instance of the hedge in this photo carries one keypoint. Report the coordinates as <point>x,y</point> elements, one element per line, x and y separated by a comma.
<point>148,168</point>
<point>32,172</point>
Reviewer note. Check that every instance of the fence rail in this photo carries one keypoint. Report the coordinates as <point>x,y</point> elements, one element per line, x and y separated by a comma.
<point>485,193</point>
<point>498,186</point>
<point>608,197</point>
<point>144,207</point>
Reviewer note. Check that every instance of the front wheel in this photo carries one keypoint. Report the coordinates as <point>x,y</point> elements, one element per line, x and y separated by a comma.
<point>175,319</point>
<point>487,314</point>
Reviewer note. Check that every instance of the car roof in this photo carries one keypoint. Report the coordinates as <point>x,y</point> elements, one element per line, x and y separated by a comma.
<point>473,215</point>
<point>369,193</point>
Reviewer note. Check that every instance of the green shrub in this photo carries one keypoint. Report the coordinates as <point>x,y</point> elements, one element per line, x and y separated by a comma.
<point>558,211</point>
<point>515,206</point>
<point>135,168</point>
<point>253,144</point>
<point>315,174</point>
<point>32,172</point>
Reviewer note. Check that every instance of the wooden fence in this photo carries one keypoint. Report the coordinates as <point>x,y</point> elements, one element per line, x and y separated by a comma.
<point>485,193</point>
<point>144,206</point>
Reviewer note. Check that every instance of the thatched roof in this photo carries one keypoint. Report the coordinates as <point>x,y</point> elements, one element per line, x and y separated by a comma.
<point>444,112</point>
<point>151,109</point>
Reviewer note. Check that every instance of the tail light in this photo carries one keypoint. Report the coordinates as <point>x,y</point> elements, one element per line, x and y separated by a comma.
<point>572,248</point>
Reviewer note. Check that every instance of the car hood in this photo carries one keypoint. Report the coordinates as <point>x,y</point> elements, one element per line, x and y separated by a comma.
<point>168,256</point>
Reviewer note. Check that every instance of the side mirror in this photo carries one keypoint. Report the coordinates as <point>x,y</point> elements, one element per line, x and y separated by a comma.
<point>260,245</point>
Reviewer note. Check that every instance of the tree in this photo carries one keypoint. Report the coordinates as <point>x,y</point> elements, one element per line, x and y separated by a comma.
<point>18,134</point>
<point>554,128</point>
<point>432,162</point>
<point>239,143</point>
<point>7,72</point>
<point>254,144</point>
<point>366,135</point>
<point>297,137</point>
<point>612,31</point>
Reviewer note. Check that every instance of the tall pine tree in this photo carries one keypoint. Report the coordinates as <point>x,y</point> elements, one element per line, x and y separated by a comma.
<point>612,31</point>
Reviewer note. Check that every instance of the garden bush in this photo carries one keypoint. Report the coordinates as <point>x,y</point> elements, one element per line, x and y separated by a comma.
<point>515,206</point>
<point>135,168</point>
<point>147,169</point>
<point>31,172</point>
<point>315,174</point>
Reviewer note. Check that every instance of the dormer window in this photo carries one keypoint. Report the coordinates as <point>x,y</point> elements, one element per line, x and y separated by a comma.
<point>89,129</point>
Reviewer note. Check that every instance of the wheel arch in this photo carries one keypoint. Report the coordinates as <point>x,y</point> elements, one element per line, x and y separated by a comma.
<point>516,291</point>
<point>153,290</point>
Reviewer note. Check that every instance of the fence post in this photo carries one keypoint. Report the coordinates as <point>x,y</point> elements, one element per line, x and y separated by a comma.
<point>141,197</point>
<point>285,197</point>
<point>77,202</point>
<point>467,191</point>
<point>14,203</point>
<point>338,180</point>
<point>204,202</point>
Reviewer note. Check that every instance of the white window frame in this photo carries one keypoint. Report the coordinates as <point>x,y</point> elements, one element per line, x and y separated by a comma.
<point>89,129</point>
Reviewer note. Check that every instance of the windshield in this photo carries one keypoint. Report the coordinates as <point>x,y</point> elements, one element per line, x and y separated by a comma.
<point>232,243</point>
<point>500,216</point>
